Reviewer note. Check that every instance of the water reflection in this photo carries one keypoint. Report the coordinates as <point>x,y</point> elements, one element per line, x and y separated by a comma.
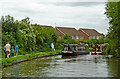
<point>56,66</point>
<point>113,66</point>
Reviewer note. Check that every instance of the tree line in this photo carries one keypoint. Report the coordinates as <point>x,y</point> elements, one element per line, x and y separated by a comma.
<point>30,37</point>
<point>113,14</point>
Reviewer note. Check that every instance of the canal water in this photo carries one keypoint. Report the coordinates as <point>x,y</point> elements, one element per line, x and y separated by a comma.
<point>56,66</point>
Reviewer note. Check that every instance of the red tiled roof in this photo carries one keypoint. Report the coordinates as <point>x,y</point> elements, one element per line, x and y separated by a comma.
<point>90,32</point>
<point>58,32</point>
<point>70,31</point>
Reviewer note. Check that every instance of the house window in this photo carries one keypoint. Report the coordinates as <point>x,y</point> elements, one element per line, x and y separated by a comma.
<point>77,37</point>
<point>72,37</point>
<point>93,37</point>
<point>90,37</point>
<point>80,37</point>
<point>97,37</point>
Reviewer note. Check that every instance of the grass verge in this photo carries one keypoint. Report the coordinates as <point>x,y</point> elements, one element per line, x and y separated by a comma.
<point>10,61</point>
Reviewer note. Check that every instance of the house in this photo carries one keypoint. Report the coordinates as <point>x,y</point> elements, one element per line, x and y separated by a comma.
<point>76,35</point>
<point>90,33</point>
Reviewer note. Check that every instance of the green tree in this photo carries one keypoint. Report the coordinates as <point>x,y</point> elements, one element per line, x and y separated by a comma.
<point>29,37</point>
<point>113,14</point>
<point>67,39</point>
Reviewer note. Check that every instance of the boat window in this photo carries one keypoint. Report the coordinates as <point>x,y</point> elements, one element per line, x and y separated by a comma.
<point>73,48</point>
<point>77,48</point>
<point>81,48</point>
<point>66,48</point>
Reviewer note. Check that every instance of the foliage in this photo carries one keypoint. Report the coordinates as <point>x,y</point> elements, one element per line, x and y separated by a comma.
<point>29,37</point>
<point>92,41</point>
<point>66,39</point>
<point>113,14</point>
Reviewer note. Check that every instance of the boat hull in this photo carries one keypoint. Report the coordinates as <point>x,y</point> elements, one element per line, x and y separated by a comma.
<point>75,53</point>
<point>97,53</point>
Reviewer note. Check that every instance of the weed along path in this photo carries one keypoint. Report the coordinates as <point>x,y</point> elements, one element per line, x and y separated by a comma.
<point>57,66</point>
<point>21,58</point>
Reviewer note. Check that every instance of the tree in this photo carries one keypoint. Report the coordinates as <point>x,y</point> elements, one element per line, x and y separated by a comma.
<point>113,14</point>
<point>67,39</point>
<point>30,37</point>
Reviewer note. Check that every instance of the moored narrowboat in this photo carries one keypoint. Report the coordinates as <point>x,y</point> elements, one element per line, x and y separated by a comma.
<point>98,50</point>
<point>75,49</point>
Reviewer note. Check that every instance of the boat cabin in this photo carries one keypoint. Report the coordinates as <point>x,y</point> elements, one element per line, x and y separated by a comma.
<point>75,49</point>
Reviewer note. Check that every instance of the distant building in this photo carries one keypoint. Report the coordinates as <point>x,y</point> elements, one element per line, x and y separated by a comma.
<point>90,33</point>
<point>76,35</point>
<point>80,34</point>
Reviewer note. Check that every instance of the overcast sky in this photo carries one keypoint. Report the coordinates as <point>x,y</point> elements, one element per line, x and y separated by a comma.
<point>65,13</point>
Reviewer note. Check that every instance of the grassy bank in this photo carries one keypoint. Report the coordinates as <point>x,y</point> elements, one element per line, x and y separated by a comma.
<point>13,60</point>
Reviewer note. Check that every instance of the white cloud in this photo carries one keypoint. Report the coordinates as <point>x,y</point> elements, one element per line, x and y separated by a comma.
<point>87,15</point>
<point>59,0</point>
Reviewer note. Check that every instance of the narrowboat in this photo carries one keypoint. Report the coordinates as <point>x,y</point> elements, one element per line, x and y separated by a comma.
<point>75,49</point>
<point>99,49</point>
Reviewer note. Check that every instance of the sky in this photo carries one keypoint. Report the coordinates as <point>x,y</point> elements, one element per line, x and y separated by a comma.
<point>61,13</point>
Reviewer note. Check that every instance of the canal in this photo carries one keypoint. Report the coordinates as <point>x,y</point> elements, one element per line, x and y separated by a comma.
<point>56,66</point>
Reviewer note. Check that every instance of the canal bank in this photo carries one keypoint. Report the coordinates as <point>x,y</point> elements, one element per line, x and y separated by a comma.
<point>22,58</point>
<point>5,62</point>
